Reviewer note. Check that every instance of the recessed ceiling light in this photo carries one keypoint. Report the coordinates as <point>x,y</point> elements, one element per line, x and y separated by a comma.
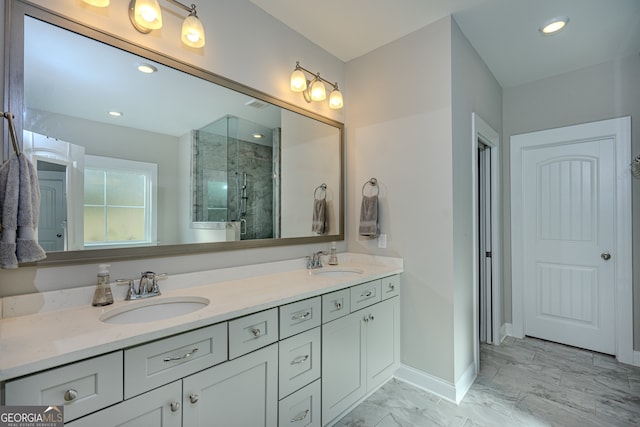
<point>554,25</point>
<point>115,113</point>
<point>147,68</point>
<point>257,135</point>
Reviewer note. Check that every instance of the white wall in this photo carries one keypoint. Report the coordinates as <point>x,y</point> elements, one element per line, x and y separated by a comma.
<point>244,44</point>
<point>600,92</point>
<point>401,135</point>
<point>308,158</point>
<point>474,89</point>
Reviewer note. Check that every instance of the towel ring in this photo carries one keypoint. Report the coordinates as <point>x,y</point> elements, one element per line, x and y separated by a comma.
<point>323,192</point>
<point>374,184</point>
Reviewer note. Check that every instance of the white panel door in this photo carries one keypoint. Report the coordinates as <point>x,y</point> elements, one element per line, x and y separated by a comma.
<point>568,229</point>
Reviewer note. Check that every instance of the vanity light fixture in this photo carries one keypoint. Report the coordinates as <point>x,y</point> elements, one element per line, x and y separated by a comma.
<point>315,90</point>
<point>146,15</point>
<point>554,25</point>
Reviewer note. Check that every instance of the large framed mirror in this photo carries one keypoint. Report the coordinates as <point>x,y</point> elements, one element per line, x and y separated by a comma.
<point>141,155</point>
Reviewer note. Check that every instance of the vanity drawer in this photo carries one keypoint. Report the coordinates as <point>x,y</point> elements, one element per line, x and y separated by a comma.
<point>82,387</point>
<point>160,362</point>
<point>365,294</point>
<point>302,408</point>
<point>390,286</point>
<point>252,332</point>
<point>299,361</point>
<point>335,305</point>
<point>299,316</point>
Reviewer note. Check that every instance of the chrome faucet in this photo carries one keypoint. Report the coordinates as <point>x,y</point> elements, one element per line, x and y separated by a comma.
<point>147,286</point>
<point>315,260</point>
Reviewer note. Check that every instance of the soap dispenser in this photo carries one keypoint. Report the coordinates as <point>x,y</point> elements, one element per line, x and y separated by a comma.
<point>102,295</point>
<point>333,257</point>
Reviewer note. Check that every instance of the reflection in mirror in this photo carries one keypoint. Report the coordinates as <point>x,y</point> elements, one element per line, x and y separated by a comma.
<point>128,159</point>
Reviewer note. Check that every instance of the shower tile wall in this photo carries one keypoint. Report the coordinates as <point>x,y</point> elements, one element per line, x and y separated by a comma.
<point>256,161</point>
<point>233,157</point>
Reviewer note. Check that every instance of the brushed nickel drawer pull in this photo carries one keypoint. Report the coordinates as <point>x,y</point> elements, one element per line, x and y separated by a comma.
<point>392,286</point>
<point>193,398</point>
<point>301,316</point>
<point>366,294</point>
<point>300,359</point>
<point>338,305</point>
<point>256,332</point>
<point>70,395</point>
<point>301,416</point>
<point>184,356</point>
<point>175,406</point>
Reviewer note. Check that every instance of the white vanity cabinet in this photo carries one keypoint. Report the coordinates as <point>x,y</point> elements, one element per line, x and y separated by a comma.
<point>300,364</point>
<point>161,407</point>
<point>242,392</point>
<point>360,351</point>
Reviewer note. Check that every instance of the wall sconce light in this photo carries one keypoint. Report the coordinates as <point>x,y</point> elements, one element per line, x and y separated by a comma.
<point>145,16</point>
<point>315,90</point>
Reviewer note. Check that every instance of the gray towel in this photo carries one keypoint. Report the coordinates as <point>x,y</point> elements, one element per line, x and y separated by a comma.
<point>27,248</point>
<point>369,216</point>
<point>9,178</point>
<point>20,205</point>
<point>319,221</point>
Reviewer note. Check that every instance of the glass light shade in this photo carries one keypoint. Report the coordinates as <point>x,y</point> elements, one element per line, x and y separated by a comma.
<point>148,14</point>
<point>335,100</point>
<point>192,32</point>
<point>97,3</point>
<point>298,81</point>
<point>318,91</point>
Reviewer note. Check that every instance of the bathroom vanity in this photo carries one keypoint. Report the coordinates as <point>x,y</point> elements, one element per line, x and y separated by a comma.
<point>293,347</point>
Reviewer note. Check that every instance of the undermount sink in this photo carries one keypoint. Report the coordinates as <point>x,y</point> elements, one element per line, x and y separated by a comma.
<point>336,271</point>
<point>154,309</point>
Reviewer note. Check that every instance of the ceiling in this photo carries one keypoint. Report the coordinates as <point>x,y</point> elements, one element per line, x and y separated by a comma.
<point>504,32</point>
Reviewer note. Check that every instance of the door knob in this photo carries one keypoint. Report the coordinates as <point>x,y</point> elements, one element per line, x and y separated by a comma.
<point>605,256</point>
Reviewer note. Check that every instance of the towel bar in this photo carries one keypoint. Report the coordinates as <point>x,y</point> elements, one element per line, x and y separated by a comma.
<point>12,131</point>
<point>323,188</point>
<point>374,184</point>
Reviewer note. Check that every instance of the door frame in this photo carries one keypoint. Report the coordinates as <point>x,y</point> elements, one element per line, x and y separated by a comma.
<point>620,130</point>
<point>480,130</point>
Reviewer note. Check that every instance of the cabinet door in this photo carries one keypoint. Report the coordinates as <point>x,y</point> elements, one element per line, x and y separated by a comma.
<point>382,341</point>
<point>157,408</point>
<point>343,374</point>
<point>239,393</point>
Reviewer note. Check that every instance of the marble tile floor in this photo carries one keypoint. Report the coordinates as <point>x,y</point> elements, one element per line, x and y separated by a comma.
<point>526,382</point>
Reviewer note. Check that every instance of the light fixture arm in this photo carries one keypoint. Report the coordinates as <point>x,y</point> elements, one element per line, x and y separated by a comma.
<point>315,75</point>
<point>191,10</point>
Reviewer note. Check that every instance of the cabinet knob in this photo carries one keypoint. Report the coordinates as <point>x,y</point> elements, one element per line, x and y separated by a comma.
<point>371,317</point>
<point>366,294</point>
<point>256,332</point>
<point>193,398</point>
<point>175,406</point>
<point>365,319</point>
<point>338,305</point>
<point>70,395</point>
<point>392,286</point>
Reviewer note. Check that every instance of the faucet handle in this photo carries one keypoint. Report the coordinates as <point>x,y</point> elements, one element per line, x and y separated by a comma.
<point>131,292</point>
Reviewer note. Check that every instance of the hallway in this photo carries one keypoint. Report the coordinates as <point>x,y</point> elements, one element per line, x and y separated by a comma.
<point>525,382</point>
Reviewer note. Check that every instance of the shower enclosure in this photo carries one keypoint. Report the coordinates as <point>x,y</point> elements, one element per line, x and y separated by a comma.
<point>235,170</point>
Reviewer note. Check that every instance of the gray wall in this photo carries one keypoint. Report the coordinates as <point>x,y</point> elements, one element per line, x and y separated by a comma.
<point>415,139</point>
<point>474,89</point>
<point>596,93</point>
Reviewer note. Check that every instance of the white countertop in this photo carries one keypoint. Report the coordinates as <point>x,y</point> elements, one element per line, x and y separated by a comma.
<point>60,332</point>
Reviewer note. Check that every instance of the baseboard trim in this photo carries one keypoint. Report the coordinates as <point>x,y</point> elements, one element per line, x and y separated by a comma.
<point>434,385</point>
